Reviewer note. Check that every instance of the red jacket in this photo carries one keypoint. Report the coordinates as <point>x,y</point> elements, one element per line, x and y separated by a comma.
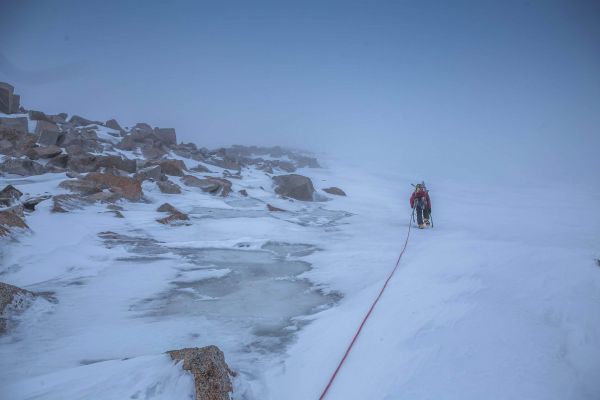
<point>424,194</point>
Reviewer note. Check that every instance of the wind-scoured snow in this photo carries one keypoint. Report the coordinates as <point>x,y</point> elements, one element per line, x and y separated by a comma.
<point>499,300</point>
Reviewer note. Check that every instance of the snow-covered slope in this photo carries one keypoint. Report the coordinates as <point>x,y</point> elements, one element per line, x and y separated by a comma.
<point>499,300</point>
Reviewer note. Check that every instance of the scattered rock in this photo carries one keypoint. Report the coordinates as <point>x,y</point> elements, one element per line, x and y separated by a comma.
<point>82,186</point>
<point>201,168</point>
<point>66,202</point>
<point>243,192</point>
<point>175,217</point>
<point>47,151</point>
<point>335,190</point>
<point>19,124</point>
<point>273,208</point>
<point>129,188</point>
<point>209,184</point>
<point>39,116</point>
<point>12,298</point>
<point>30,203</point>
<point>20,166</point>
<point>166,135</point>
<point>113,124</point>
<point>9,195</point>
<point>211,372</point>
<point>168,187</point>
<point>150,173</point>
<point>11,219</point>
<point>171,167</point>
<point>76,120</point>
<point>9,101</point>
<point>296,186</point>
<point>123,164</point>
<point>166,207</point>
<point>48,133</point>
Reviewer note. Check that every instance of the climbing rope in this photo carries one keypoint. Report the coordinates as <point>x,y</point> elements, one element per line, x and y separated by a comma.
<point>362,324</point>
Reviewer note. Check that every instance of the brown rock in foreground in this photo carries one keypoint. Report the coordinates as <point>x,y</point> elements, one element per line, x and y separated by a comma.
<point>274,209</point>
<point>335,190</point>
<point>12,296</point>
<point>211,373</point>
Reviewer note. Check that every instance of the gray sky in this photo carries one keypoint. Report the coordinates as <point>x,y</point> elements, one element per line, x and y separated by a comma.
<point>464,88</point>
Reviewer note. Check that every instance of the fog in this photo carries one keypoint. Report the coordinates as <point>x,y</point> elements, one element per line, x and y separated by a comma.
<point>464,90</point>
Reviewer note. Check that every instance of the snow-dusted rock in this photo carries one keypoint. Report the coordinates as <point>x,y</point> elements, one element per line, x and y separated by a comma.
<point>129,188</point>
<point>168,187</point>
<point>209,184</point>
<point>11,218</point>
<point>9,195</point>
<point>335,190</point>
<point>12,297</point>
<point>19,124</point>
<point>212,376</point>
<point>296,186</point>
<point>9,101</point>
<point>113,124</point>
<point>20,166</point>
<point>171,167</point>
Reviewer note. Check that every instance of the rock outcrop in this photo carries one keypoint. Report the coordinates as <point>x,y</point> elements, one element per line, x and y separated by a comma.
<point>9,101</point>
<point>129,188</point>
<point>212,376</point>
<point>296,186</point>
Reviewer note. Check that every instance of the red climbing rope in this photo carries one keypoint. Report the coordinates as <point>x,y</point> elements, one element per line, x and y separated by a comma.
<point>362,324</point>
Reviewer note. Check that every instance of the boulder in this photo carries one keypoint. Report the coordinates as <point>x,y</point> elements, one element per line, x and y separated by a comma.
<point>129,188</point>
<point>19,124</point>
<point>243,192</point>
<point>39,116</point>
<point>20,166</point>
<point>175,218</point>
<point>335,190</point>
<point>296,186</point>
<point>32,202</point>
<point>171,167</point>
<point>113,124</point>
<point>63,203</point>
<point>209,184</point>
<point>47,132</point>
<point>82,186</point>
<point>168,187</point>
<point>11,218</point>
<point>9,101</point>
<point>212,376</point>
<point>83,162</point>
<point>151,152</point>
<point>166,207</point>
<point>273,208</point>
<point>9,195</point>
<point>12,298</point>
<point>166,135</point>
<point>76,120</point>
<point>47,151</point>
<point>201,168</point>
<point>150,173</point>
<point>58,162</point>
<point>124,164</point>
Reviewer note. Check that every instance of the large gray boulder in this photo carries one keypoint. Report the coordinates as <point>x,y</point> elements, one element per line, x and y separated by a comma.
<point>166,135</point>
<point>18,124</point>
<point>212,376</point>
<point>9,101</point>
<point>76,120</point>
<point>21,166</point>
<point>296,186</point>
<point>48,133</point>
<point>113,124</point>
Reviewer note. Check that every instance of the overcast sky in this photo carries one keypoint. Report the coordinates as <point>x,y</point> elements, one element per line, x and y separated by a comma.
<point>458,87</point>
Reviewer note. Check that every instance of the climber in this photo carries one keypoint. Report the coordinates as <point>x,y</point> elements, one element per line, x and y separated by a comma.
<point>421,203</point>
